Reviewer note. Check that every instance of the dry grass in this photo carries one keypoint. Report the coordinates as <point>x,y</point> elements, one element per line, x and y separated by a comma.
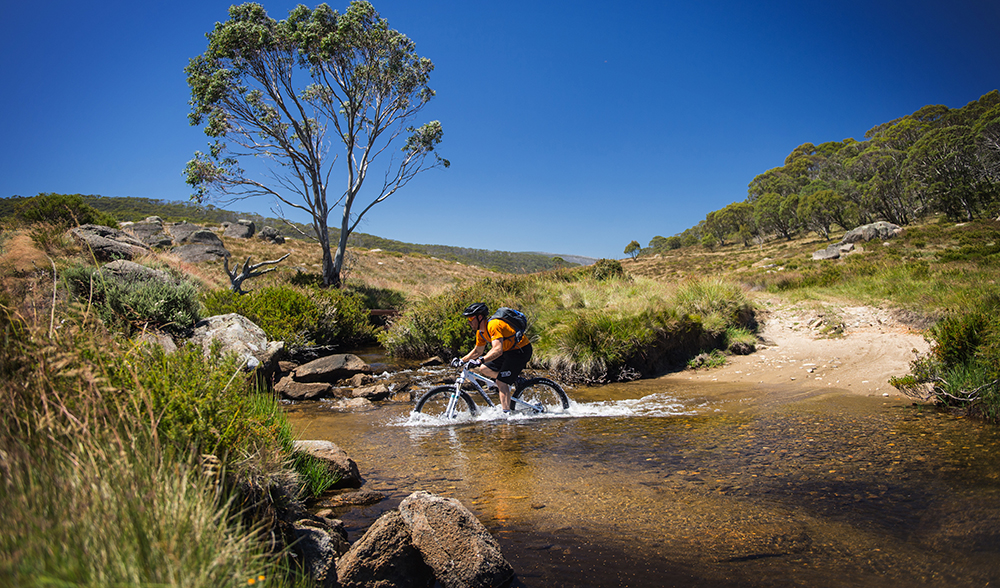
<point>415,275</point>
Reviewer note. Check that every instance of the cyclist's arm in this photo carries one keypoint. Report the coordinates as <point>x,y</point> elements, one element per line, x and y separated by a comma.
<point>476,352</point>
<point>496,350</point>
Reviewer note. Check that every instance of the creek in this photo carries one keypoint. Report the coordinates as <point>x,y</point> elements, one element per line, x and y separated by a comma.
<point>663,483</point>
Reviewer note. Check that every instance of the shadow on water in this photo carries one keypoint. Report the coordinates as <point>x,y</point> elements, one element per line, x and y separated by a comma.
<point>655,484</point>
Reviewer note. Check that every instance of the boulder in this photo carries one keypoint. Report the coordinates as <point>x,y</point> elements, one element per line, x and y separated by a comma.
<point>378,391</point>
<point>271,235</point>
<point>336,460</point>
<point>358,498</point>
<point>130,271</point>
<point>331,368</point>
<point>241,229</point>
<point>237,334</point>
<point>293,390</point>
<point>199,252</point>
<point>880,230</point>
<point>453,542</point>
<point>180,231</point>
<point>831,252</point>
<point>384,557</point>
<point>358,380</point>
<point>318,551</point>
<point>150,232</point>
<point>108,244</point>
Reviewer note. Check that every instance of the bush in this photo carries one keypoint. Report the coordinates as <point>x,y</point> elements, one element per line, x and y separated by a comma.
<point>300,316</point>
<point>608,269</point>
<point>285,314</point>
<point>134,304</point>
<point>64,210</point>
<point>963,366</point>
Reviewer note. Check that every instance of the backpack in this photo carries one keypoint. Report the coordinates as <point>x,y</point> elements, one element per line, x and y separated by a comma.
<point>514,318</point>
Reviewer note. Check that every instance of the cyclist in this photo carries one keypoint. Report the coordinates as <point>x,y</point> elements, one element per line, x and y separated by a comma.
<point>505,359</point>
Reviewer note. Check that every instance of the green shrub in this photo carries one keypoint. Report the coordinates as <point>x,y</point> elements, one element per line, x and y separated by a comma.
<point>64,210</point>
<point>137,303</point>
<point>608,269</point>
<point>964,363</point>
<point>285,314</point>
<point>300,316</point>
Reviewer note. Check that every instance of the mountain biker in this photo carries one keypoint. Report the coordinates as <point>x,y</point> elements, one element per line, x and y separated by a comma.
<point>506,358</point>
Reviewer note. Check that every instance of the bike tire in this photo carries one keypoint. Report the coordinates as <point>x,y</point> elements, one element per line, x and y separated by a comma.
<point>435,402</point>
<point>541,391</point>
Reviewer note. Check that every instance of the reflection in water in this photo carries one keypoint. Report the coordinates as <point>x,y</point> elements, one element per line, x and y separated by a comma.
<point>708,486</point>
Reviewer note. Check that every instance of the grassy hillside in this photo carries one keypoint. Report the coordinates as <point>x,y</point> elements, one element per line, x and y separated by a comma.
<point>135,209</point>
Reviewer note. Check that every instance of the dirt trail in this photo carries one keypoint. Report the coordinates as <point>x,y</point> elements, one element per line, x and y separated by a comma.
<point>853,348</point>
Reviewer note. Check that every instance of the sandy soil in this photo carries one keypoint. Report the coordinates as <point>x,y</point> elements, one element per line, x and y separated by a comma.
<point>856,349</point>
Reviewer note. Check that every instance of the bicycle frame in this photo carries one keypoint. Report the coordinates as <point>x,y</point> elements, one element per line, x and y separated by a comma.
<point>474,378</point>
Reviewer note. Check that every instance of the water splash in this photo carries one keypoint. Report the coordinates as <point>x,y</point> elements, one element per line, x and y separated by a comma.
<point>654,405</point>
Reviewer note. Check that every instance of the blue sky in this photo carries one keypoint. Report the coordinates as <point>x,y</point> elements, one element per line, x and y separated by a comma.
<point>572,127</point>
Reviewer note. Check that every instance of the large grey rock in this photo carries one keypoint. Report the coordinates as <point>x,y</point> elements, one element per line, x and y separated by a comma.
<point>131,271</point>
<point>357,498</point>
<point>879,230</point>
<point>293,390</point>
<point>454,543</point>
<point>336,460</point>
<point>271,235</point>
<point>150,232</point>
<point>379,391</point>
<point>199,252</point>
<point>318,550</point>
<point>241,229</point>
<point>182,230</point>
<point>108,244</point>
<point>384,557</point>
<point>331,368</point>
<point>237,334</point>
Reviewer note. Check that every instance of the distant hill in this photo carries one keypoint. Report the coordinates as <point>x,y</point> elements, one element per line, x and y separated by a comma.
<point>135,209</point>
<point>570,259</point>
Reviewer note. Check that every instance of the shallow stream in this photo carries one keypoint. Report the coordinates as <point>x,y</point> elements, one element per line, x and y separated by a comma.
<point>656,483</point>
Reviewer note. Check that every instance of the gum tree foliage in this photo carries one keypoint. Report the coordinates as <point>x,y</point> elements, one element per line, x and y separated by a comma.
<point>306,95</point>
<point>633,249</point>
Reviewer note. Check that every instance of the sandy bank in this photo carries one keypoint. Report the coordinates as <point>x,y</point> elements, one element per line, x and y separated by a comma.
<point>799,350</point>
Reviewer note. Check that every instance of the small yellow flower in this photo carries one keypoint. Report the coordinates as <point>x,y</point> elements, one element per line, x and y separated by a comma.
<point>261,578</point>
<point>250,582</point>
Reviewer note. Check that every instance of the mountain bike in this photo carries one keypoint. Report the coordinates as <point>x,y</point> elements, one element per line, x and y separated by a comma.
<point>528,396</point>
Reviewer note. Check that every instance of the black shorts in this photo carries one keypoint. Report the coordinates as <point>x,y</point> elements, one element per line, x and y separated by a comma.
<point>510,365</point>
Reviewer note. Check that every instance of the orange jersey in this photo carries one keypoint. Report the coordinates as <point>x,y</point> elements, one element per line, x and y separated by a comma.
<point>499,329</point>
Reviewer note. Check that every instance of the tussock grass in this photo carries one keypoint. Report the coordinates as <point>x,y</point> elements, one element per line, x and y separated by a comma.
<point>585,329</point>
<point>122,465</point>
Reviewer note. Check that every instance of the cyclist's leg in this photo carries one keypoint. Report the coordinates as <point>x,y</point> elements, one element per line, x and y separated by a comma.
<point>513,363</point>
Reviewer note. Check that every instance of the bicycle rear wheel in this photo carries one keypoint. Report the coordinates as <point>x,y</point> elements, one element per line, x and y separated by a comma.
<point>435,402</point>
<point>543,393</point>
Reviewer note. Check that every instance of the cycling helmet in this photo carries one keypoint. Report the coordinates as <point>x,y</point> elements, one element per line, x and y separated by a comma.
<point>476,309</point>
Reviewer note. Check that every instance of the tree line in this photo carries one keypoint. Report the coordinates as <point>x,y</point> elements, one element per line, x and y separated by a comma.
<point>938,160</point>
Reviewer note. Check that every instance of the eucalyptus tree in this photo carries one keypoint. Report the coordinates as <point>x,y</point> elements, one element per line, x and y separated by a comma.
<point>305,96</point>
<point>774,212</point>
<point>821,209</point>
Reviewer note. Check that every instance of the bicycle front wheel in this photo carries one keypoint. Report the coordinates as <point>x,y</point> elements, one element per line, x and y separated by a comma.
<point>435,402</point>
<point>542,393</point>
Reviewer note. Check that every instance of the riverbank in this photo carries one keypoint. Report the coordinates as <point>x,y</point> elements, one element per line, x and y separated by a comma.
<point>851,348</point>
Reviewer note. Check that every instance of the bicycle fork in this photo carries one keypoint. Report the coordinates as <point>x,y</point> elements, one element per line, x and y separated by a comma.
<point>453,399</point>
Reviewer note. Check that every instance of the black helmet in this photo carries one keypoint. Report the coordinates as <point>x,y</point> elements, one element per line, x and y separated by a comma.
<point>476,309</point>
